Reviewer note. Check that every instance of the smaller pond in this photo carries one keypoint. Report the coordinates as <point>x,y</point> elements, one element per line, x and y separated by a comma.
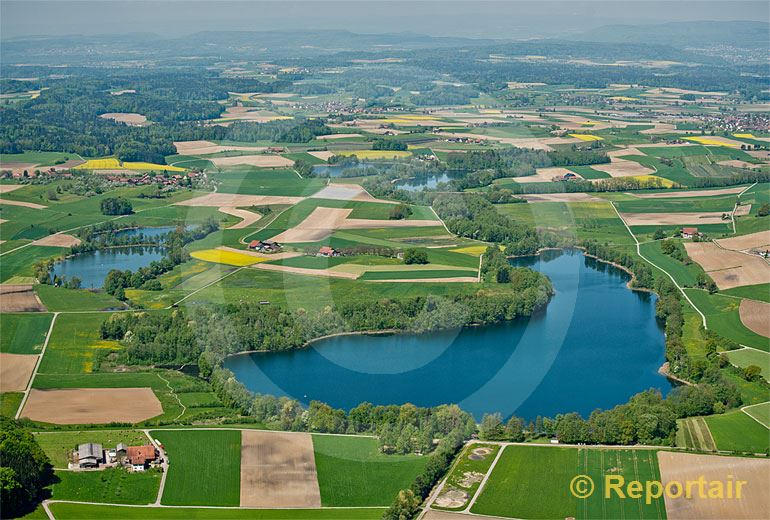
<point>418,183</point>
<point>92,267</point>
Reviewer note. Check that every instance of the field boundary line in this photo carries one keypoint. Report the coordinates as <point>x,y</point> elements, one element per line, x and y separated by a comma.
<point>483,483</point>
<point>744,408</point>
<point>204,287</point>
<point>440,219</point>
<point>37,366</point>
<point>639,252</point>
<point>167,506</point>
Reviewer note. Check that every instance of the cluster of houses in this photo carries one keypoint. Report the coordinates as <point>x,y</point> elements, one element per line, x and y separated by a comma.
<point>135,180</point>
<point>265,246</point>
<point>138,458</point>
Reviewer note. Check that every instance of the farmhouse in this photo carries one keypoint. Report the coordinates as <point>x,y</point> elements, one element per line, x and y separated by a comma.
<point>265,246</point>
<point>690,232</point>
<point>90,455</point>
<point>328,252</point>
<point>139,457</point>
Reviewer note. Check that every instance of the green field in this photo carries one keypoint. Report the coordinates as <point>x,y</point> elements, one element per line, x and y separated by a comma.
<point>685,275</point>
<point>749,356</point>
<point>533,482</point>
<point>23,333</point>
<point>74,344</point>
<point>97,512</point>
<point>112,486</point>
<point>59,445</point>
<point>204,467</point>
<point>261,181</point>
<point>415,275</point>
<point>760,412</point>
<point>759,292</point>
<point>736,431</point>
<point>589,173</point>
<point>20,262</point>
<point>61,299</point>
<point>352,471</point>
<point>722,315</point>
<point>9,403</point>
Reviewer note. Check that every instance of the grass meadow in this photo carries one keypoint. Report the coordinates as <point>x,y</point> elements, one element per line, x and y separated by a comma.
<point>23,333</point>
<point>75,343</point>
<point>749,356</point>
<point>112,485</point>
<point>352,471</point>
<point>723,317</point>
<point>736,431</point>
<point>759,292</point>
<point>9,403</point>
<point>464,464</point>
<point>204,467</point>
<point>533,483</point>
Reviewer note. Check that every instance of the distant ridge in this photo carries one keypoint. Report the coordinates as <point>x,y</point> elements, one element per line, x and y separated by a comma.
<point>743,34</point>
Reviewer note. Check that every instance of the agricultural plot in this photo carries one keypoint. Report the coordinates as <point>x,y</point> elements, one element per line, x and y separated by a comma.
<point>20,262</point>
<point>759,412</point>
<point>693,433</point>
<point>204,467</point>
<point>722,314</point>
<point>255,181</point>
<point>749,356</point>
<point>278,470</point>
<point>75,344</point>
<point>736,431</point>
<point>91,405</point>
<point>683,273</point>
<point>352,471</point>
<point>684,467</point>
<point>65,511</point>
<point>9,403</point>
<point>728,268</point>
<point>756,316</point>
<point>23,333</point>
<point>112,486</point>
<point>62,299</point>
<point>19,298</point>
<point>533,482</point>
<point>15,371</point>
<point>466,475</point>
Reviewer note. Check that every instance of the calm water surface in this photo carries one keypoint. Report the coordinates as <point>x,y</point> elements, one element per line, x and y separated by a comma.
<point>597,344</point>
<point>92,267</point>
<point>418,183</point>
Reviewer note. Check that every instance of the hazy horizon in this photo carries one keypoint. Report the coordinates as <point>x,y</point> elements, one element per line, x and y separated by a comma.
<point>511,19</point>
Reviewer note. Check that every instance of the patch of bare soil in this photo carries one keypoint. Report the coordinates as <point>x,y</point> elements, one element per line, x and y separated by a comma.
<point>278,470</point>
<point>318,225</point>
<point>232,200</point>
<point>132,119</point>
<point>682,467</point>
<point>19,298</point>
<point>759,240</point>
<point>15,371</point>
<point>728,268</point>
<point>451,498</point>
<point>688,193</point>
<point>248,217</point>
<point>260,161</point>
<point>207,147</point>
<point>22,204</point>
<point>57,240</point>
<point>756,316</point>
<point>7,188</point>
<point>92,405</point>
<point>672,219</point>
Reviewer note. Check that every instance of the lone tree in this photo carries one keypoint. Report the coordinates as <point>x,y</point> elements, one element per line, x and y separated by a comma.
<point>117,206</point>
<point>415,256</point>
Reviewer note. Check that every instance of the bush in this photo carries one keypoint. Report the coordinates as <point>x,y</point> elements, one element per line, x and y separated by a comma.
<point>415,256</point>
<point>116,206</point>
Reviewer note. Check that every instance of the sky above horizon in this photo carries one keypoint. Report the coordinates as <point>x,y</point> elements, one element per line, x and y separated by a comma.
<point>501,19</point>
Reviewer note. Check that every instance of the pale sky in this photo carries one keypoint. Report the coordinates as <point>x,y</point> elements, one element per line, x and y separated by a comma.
<point>501,19</point>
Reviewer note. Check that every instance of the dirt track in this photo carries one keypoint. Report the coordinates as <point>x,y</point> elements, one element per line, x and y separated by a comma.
<point>682,467</point>
<point>15,371</point>
<point>562,197</point>
<point>756,316</point>
<point>688,193</point>
<point>278,470</point>
<point>92,405</point>
<point>22,204</point>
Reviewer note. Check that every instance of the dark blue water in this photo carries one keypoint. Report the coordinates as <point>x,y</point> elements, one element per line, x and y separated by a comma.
<point>92,267</point>
<point>419,183</point>
<point>597,344</point>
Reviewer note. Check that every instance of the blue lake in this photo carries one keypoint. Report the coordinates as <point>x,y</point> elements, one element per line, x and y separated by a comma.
<point>597,344</point>
<point>92,267</point>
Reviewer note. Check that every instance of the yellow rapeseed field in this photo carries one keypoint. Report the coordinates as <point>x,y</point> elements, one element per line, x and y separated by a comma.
<point>374,154</point>
<point>623,98</point>
<point>662,181</point>
<point>470,250</point>
<point>586,137</point>
<point>219,256</point>
<point>711,141</point>
<point>745,136</point>
<point>111,163</point>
